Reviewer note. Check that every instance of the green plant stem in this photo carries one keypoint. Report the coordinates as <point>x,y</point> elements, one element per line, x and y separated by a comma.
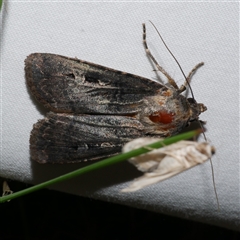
<point>102,163</point>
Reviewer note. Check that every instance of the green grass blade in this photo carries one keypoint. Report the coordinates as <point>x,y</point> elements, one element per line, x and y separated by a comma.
<point>102,163</point>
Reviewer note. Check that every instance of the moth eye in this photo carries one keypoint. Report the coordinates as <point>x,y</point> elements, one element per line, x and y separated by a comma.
<point>161,117</point>
<point>191,100</point>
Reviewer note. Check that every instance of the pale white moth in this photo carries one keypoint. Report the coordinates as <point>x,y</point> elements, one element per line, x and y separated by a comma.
<point>160,164</point>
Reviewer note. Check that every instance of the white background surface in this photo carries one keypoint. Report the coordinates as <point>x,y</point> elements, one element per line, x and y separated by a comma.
<point>110,34</point>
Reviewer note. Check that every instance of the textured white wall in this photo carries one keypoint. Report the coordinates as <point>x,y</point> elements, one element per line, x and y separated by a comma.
<point>110,34</point>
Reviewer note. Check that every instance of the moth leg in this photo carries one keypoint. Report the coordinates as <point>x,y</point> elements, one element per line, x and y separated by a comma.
<point>169,78</point>
<point>188,79</point>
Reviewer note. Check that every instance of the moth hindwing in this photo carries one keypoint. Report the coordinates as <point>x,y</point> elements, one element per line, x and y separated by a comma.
<point>95,110</point>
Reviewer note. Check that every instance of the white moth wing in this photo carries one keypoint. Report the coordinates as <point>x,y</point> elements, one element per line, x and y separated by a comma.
<point>165,162</point>
<point>6,189</point>
<point>142,162</point>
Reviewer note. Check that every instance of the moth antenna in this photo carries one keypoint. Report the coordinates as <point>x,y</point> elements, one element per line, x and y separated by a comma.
<point>214,185</point>
<point>173,83</point>
<point>173,58</point>
<point>211,163</point>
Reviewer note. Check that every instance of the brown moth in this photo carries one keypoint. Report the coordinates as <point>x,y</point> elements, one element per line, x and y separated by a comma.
<point>95,110</point>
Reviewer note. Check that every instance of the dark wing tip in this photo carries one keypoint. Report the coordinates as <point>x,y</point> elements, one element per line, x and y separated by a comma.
<point>34,74</point>
<point>31,62</point>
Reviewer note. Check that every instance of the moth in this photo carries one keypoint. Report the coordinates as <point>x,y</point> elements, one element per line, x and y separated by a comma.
<point>95,110</point>
<point>163,163</point>
<point>6,189</point>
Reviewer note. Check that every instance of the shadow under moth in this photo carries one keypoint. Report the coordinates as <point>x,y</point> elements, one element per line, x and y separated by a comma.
<point>95,110</point>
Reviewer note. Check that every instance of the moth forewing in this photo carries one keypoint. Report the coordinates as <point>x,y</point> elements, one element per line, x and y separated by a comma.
<point>112,108</point>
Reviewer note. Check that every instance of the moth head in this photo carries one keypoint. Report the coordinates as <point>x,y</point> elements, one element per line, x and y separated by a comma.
<point>196,108</point>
